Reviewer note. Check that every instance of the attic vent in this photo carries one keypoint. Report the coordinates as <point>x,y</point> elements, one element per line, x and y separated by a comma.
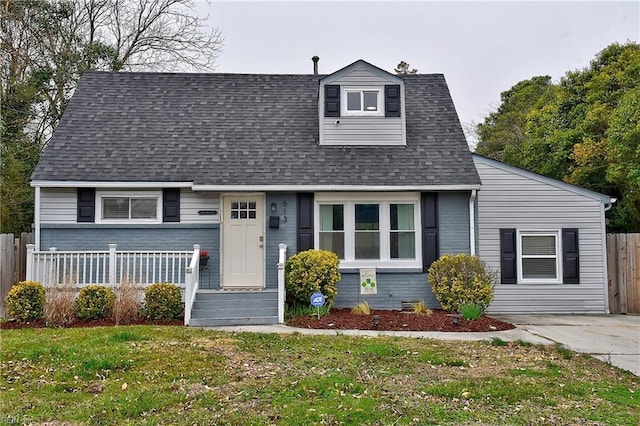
<point>315,60</point>
<point>407,306</point>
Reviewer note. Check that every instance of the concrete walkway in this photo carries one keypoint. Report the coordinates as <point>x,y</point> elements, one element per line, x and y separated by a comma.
<point>614,339</point>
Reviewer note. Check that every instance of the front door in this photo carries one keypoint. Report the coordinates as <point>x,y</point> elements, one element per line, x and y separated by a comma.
<point>243,242</point>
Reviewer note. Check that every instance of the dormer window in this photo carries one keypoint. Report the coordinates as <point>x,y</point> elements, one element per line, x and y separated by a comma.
<point>362,101</point>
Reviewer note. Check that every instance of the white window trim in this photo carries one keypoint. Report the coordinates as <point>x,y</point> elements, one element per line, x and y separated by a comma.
<point>362,113</point>
<point>349,200</point>
<point>554,233</point>
<point>128,194</point>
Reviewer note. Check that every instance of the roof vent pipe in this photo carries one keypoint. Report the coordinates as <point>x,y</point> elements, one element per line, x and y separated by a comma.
<point>315,60</point>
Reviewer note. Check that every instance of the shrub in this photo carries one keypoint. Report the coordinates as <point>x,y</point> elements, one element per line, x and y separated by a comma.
<point>471,311</point>
<point>421,309</point>
<point>25,301</point>
<point>361,308</point>
<point>310,271</point>
<point>95,302</point>
<point>460,279</point>
<point>60,307</point>
<point>163,301</point>
<point>126,308</point>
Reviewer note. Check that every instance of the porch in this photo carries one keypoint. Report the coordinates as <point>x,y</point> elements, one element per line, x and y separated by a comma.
<point>203,306</point>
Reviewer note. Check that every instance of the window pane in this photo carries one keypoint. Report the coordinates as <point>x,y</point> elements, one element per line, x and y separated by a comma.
<point>402,217</point>
<point>143,208</point>
<point>539,268</point>
<point>538,245</point>
<point>115,208</point>
<point>333,241</point>
<point>367,217</point>
<point>332,217</point>
<point>367,245</point>
<point>370,101</point>
<point>403,245</point>
<point>353,101</point>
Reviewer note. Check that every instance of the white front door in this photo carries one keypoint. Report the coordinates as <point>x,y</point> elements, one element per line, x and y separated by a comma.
<point>243,242</point>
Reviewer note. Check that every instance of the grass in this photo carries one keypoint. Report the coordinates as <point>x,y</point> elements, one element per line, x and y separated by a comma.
<point>178,375</point>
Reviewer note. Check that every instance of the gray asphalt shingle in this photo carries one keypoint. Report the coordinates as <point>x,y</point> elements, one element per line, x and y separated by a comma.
<point>243,129</point>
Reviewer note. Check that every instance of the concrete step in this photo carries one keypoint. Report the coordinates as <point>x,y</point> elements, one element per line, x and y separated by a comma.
<point>218,308</point>
<point>218,322</point>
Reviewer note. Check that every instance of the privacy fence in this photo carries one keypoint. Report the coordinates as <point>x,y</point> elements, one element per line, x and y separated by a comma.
<point>623,260</point>
<point>13,262</point>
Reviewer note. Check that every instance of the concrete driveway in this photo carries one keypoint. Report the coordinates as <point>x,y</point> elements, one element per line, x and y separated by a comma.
<point>614,339</point>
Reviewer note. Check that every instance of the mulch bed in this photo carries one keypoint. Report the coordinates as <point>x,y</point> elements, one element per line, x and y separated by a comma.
<point>439,320</point>
<point>84,323</point>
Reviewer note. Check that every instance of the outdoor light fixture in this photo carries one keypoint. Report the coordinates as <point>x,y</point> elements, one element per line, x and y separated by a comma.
<point>274,206</point>
<point>456,318</point>
<point>376,320</point>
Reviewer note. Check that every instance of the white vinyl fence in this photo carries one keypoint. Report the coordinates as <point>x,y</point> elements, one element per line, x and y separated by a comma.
<point>109,267</point>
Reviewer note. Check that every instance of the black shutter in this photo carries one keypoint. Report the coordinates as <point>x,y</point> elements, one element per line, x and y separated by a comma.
<point>171,205</point>
<point>429,215</point>
<point>570,257</point>
<point>508,257</point>
<point>331,100</point>
<point>305,221</point>
<point>86,205</point>
<point>392,100</point>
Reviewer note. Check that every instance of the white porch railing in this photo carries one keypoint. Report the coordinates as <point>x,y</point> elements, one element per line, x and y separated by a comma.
<point>110,268</point>
<point>282,258</point>
<point>192,282</point>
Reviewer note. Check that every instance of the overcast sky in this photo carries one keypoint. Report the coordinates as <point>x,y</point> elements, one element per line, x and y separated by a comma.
<point>482,48</point>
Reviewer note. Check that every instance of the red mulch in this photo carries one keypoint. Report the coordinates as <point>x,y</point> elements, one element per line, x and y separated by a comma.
<point>439,320</point>
<point>85,323</point>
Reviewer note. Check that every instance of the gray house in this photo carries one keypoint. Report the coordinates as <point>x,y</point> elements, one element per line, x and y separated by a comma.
<point>367,164</point>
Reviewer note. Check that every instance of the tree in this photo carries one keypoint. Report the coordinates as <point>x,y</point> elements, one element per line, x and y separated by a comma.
<point>579,131</point>
<point>403,68</point>
<point>46,46</point>
<point>502,135</point>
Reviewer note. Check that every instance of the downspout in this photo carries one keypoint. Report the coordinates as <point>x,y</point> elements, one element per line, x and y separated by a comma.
<point>36,219</point>
<point>472,222</point>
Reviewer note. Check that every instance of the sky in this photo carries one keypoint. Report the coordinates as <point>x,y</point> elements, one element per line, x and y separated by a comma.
<point>482,48</point>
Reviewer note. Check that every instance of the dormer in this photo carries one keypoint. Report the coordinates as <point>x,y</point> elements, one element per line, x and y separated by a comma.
<point>361,105</point>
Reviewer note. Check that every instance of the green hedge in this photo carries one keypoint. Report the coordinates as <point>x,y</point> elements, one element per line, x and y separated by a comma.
<point>25,301</point>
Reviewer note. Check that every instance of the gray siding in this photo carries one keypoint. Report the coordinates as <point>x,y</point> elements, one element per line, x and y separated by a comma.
<point>285,234</point>
<point>510,200</point>
<point>354,130</point>
<point>453,222</point>
<point>59,205</point>
<point>393,289</point>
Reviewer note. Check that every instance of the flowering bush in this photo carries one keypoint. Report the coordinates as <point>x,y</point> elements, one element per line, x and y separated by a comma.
<point>25,301</point>
<point>310,271</point>
<point>461,279</point>
<point>95,302</point>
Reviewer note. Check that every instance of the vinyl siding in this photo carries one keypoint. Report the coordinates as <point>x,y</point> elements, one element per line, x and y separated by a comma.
<point>285,234</point>
<point>510,200</point>
<point>59,205</point>
<point>354,130</point>
<point>453,222</point>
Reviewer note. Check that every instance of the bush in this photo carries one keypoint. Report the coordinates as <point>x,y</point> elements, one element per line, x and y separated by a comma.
<point>127,305</point>
<point>60,308</point>
<point>461,279</point>
<point>163,301</point>
<point>95,302</point>
<point>421,309</point>
<point>361,308</point>
<point>310,271</point>
<point>25,301</point>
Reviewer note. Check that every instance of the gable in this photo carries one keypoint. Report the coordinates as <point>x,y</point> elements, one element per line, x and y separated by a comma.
<point>361,105</point>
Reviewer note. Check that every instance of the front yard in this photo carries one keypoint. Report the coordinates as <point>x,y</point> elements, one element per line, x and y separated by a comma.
<point>180,375</point>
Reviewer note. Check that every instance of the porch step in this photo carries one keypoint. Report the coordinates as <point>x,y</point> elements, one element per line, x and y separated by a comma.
<point>220,308</point>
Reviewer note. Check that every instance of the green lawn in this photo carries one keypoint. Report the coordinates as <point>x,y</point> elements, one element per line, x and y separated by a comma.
<point>179,375</point>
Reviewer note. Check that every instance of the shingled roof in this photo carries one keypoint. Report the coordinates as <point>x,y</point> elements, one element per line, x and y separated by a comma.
<point>243,129</point>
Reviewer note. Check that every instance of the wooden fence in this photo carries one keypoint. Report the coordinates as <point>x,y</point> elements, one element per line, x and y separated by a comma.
<point>623,260</point>
<point>13,262</point>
